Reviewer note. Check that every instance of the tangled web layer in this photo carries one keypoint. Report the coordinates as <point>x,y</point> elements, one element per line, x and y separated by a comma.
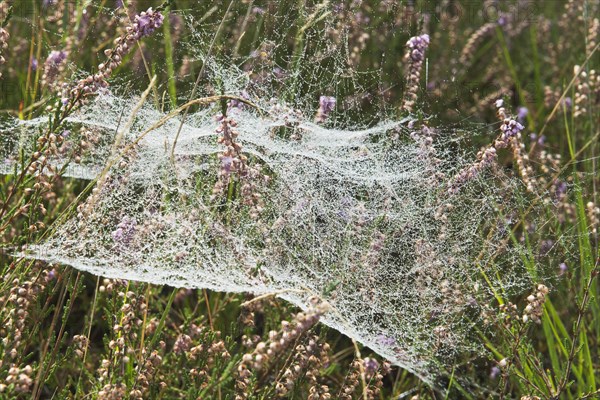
<point>360,219</point>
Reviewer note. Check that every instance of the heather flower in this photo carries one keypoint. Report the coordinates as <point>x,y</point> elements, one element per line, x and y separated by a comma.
<point>494,372</point>
<point>125,231</point>
<point>541,140</point>
<point>511,127</point>
<point>56,57</point>
<point>143,25</point>
<point>522,113</point>
<point>279,73</point>
<point>415,56</point>
<point>468,52</point>
<point>235,163</point>
<point>418,45</point>
<point>371,366</point>
<point>226,164</point>
<point>568,103</point>
<point>386,340</point>
<point>235,104</point>
<point>53,68</point>
<point>486,159</point>
<point>3,45</point>
<point>147,22</point>
<point>326,106</point>
<point>534,310</point>
<point>560,190</point>
<point>562,267</point>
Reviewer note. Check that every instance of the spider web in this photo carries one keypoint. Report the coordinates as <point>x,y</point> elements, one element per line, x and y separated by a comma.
<point>356,214</point>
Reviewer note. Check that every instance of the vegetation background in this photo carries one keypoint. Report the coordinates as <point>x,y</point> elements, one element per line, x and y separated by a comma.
<point>68,334</point>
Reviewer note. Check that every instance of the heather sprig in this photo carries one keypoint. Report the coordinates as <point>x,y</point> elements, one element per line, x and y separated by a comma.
<point>414,60</point>
<point>4,35</point>
<point>143,25</point>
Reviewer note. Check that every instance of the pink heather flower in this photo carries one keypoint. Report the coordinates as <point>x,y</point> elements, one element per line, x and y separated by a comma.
<point>387,341</point>
<point>414,59</point>
<point>143,25</point>
<point>563,268</point>
<point>510,128</point>
<point>147,22</point>
<point>226,163</point>
<point>522,113</point>
<point>55,58</point>
<point>418,45</point>
<point>125,231</point>
<point>371,365</point>
<point>53,68</point>
<point>494,372</point>
<point>326,106</point>
<point>235,104</point>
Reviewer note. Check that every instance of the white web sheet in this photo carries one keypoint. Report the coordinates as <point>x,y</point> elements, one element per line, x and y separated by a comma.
<point>357,218</point>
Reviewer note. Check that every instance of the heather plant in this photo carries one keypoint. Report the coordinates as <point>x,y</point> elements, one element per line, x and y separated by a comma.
<point>299,200</point>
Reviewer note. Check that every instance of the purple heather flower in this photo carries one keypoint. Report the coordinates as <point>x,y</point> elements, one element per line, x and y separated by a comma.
<point>418,45</point>
<point>541,140</point>
<point>147,22</point>
<point>125,230</point>
<point>562,268</point>
<point>560,189</point>
<point>56,57</point>
<point>236,104</point>
<point>510,128</point>
<point>414,58</point>
<point>371,365</point>
<point>327,103</point>
<point>494,372</point>
<point>226,163</point>
<point>522,113</point>
<point>386,340</point>
<point>568,102</point>
<point>34,63</point>
<point>326,106</point>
